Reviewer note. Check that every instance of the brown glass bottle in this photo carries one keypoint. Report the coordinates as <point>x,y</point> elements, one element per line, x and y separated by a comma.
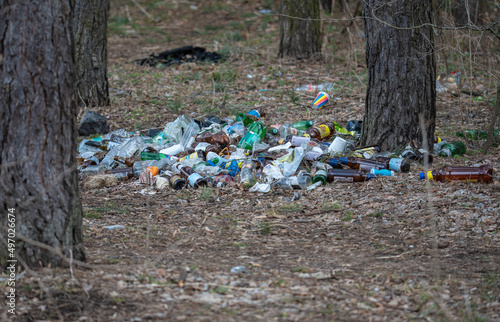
<point>321,131</point>
<point>470,174</point>
<point>362,164</point>
<point>177,182</point>
<point>127,161</point>
<point>395,164</point>
<point>194,179</point>
<point>348,175</point>
<point>124,173</point>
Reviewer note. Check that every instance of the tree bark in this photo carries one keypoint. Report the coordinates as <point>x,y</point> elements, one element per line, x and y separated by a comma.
<point>300,28</point>
<point>401,74</point>
<point>90,26</point>
<point>38,130</point>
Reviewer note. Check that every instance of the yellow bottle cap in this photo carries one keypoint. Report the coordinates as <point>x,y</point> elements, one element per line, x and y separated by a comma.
<point>429,175</point>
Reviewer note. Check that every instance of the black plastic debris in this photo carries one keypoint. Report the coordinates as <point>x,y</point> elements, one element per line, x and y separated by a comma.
<point>93,123</point>
<point>179,55</point>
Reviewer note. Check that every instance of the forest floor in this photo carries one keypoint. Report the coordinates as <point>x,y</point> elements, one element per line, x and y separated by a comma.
<point>395,248</point>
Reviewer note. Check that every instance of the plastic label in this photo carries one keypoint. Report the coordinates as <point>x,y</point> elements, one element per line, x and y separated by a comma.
<point>193,178</point>
<point>324,130</point>
<point>395,164</point>
<point>343,179</point>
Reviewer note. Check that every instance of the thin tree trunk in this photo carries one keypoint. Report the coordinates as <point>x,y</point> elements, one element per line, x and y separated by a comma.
<point>491,130</point>
<point>38,130</point>
<point>90,27</point>
<point>401,73</point>
<point>300,28</point>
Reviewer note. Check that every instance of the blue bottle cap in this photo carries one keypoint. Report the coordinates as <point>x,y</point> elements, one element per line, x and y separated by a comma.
<point>422,175</point>
<point>343,160</point>
<point>370,176</point>
<point>334,162</point>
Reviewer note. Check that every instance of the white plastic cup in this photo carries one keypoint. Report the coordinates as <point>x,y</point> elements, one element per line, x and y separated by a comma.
<point>338,145</point>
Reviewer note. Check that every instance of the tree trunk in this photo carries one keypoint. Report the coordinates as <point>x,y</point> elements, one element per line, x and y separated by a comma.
<point>90,23</point>
<point>38,130</point>
<point>401,74</point>
<point>300,28</point>
<point>327,5</point>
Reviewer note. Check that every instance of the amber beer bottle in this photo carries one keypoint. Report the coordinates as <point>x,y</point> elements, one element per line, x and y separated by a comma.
<point>470,174</point>
<point>127,161</point>
<point>321,131</point>
<point>194,179</point>
<point>348,175</point>
<point>123,173</point>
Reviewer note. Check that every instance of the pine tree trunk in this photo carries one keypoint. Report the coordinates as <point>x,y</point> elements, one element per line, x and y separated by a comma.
<point>90,27</point>
<point>300,28</point>
<point>401,74</point>
<point>38,130</point>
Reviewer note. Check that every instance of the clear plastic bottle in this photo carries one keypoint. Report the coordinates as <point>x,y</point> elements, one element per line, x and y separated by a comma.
<point>247,174</point>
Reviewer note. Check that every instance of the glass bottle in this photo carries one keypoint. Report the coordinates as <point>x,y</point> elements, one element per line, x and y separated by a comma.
<point>123,173</point>
<point>127,161</point>
<point>194,179</point>
<point>176,181</point>
<point>321,131</point>
<point>319,173</point>
<point>362,163</point>
<point>470,174</point>
<point>395,164</point>
<point>348,175</point>
<point>303,125</point>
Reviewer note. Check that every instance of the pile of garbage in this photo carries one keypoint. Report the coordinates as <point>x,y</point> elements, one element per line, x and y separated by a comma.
<point>243,151</point>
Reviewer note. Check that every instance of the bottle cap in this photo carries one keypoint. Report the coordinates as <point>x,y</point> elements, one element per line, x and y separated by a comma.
<point>422,175</point>
<point>334,162</point>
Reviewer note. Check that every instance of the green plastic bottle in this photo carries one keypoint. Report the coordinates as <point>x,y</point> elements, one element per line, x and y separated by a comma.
<point>452,148</point>
<point>476,134</point>
<point>303,125</point>
<point>246,119</point>
<point>256,131</point>
<point>152,156</point>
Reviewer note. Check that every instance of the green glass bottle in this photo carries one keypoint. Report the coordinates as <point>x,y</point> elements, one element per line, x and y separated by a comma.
<point>152,156</point>
<point>476,134</point>
<point>303,125</point>
<point>452,148</point>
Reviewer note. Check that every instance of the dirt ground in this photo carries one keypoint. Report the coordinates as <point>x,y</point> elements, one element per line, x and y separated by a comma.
<point>394,248</point>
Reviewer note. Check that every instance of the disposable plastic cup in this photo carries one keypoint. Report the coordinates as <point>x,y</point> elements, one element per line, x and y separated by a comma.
<point>321,99</point>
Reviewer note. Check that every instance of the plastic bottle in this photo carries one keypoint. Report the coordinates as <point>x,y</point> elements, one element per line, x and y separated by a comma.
<point>256,131</point>
<point>289,168</point>
<point>258,112</point>
<point>246,119</point>
<point>194,179</point>
<point>348,175</point>
<point>153,156</point>
<point>470,174</point>
<point>383,172</point>
<point>247,174</point>
<point>189,133</point>
<point>300,181</point>
<point>218,141</point>
<point>476,134</point>
<point>287,129</point>
<point>321,131</point>
<point>452,148</point>
<point>303,125</point>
